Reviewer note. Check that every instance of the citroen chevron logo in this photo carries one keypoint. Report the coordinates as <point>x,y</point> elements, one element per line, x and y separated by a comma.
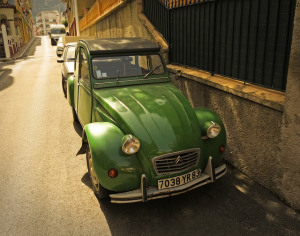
<point>178,160</point>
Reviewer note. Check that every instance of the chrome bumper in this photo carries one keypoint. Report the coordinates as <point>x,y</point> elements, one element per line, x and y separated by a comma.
<point>149,193</point>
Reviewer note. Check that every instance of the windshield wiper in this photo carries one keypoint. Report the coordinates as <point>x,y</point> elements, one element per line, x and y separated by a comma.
<point>151,71</point>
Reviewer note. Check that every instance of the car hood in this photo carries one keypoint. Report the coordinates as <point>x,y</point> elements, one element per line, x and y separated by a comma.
<point>59,46</point>
<point>158,114</point>
<point>70,65</point>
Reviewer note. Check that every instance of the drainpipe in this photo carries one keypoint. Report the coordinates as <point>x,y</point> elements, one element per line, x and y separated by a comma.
<point>76,17</point>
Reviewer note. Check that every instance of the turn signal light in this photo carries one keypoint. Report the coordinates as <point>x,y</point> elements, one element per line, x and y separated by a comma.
<point>112,173</point>
<point>222,149</point>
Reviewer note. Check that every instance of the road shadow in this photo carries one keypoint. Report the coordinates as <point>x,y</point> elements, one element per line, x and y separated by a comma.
<point>77,128</point>
<point>6,80</point>
<point>86,180</point>
<point>234,205</point>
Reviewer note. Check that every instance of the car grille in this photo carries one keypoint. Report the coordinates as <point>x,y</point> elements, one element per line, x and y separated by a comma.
<point>176,162</point>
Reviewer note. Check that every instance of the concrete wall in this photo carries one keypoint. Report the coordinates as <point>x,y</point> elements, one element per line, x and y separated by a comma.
<point>123,22</point>
<point>253,130</point>
<point>288,157</point>
<point>258,144</point>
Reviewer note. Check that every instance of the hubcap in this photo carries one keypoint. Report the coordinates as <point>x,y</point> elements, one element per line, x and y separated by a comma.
<point>94,178</point>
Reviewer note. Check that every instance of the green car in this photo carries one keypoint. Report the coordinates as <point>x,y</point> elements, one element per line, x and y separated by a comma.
<point>143,138</point>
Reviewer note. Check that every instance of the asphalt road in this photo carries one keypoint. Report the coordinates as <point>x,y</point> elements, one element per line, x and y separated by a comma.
<point>44,186</point>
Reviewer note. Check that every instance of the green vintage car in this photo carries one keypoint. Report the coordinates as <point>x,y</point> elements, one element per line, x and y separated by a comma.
<point>143,139</point>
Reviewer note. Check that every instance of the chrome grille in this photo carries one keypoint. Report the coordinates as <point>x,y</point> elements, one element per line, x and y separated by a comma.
<point>176,162</point>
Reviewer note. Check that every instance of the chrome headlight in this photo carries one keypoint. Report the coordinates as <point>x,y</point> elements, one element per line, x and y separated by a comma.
<point>213,130</point>
<point>130,144</point>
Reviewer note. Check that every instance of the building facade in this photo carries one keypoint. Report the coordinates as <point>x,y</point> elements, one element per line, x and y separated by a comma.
<point>16,25</point>
<point>83,14</point>
<point>45,18</point>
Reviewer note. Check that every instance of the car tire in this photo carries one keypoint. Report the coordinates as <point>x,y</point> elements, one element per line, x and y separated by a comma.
<point>99,190</point>
<point>75,118</point>
<point>64,86</point>
<point>53,42</point>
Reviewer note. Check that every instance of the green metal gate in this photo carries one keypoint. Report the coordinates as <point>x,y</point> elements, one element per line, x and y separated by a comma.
<point>249,40</point>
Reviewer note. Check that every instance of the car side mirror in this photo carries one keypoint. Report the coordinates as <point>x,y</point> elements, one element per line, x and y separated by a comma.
<point>60,60</point>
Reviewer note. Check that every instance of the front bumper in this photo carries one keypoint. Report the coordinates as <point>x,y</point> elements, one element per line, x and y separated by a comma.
<point>149,193</point>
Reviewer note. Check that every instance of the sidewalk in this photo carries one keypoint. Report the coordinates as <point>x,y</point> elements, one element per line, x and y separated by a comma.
<point>21,51</point>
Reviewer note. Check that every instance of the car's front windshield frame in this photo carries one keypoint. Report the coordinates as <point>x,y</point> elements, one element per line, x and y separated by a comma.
<point>58,31</point>
<point>161,68</point>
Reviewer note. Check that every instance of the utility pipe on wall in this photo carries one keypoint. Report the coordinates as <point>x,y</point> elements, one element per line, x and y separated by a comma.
<point>76,18</point>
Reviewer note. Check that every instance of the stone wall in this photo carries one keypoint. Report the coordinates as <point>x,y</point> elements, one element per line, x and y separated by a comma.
<point>253,130</point>
<point>287,182</point>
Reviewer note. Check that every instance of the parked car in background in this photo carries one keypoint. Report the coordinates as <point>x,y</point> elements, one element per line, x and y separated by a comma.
<point>59,47</point>
<point>143,138</point>
<point>56,31</point>
<point>62,41</point>
<point>68,63</point>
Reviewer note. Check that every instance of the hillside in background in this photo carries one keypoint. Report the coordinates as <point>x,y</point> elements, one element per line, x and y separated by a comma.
<point>47,5</point>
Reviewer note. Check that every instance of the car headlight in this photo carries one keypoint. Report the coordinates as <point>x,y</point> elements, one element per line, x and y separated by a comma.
<point>213,129</point>
<point>130,144</point>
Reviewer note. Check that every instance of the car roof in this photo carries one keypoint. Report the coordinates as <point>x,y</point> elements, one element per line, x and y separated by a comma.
<point>57,26</point>
<point>119,45</point>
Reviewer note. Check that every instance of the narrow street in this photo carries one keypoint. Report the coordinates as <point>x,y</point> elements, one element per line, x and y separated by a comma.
<point>45,189</point>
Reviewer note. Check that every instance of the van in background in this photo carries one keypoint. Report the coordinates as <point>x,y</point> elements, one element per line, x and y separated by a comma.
<point>56,31</point>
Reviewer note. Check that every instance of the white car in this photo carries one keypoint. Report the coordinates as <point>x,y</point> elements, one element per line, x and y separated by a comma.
<point>59,47</point>
<point>56,31</point>
<point>68,64</point>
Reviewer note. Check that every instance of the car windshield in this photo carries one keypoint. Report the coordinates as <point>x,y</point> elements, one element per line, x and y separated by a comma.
<point>58,31</point>
<point>127,66</point>
<point>71,54</point>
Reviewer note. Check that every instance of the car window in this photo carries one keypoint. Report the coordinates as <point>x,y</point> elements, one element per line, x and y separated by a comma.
<point>64,56</point>
<point>84,67</point>
<point>70,54</point>
<point>127,66</point>
<point>58,31</point>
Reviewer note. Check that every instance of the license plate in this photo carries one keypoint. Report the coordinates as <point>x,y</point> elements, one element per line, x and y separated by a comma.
<point>179,180</point>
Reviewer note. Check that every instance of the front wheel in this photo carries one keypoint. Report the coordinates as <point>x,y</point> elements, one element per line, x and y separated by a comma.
<point>99,190</point>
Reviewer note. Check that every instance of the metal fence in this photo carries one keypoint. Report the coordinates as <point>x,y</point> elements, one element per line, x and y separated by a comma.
<point>248,40</point>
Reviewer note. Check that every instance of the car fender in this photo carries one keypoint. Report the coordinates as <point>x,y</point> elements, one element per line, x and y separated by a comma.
<point>212,145</point>
<point>70,90</point>
<point>105,142</point>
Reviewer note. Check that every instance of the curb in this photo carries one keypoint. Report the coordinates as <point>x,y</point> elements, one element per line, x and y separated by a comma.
<point>29,43</point>
<point>27,46</point>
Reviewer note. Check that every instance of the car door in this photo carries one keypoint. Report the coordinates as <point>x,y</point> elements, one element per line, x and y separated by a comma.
<point>84,102</point>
